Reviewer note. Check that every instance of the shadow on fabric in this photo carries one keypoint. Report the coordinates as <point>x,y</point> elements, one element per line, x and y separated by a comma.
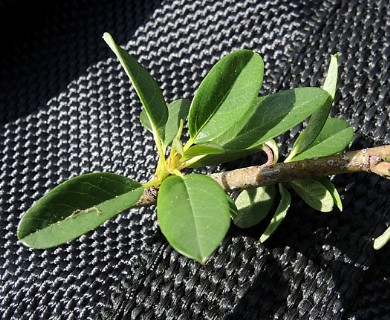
<point>47,44</point>
<point>334,272</point>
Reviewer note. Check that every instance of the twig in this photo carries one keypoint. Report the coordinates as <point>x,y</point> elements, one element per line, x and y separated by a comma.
<point>375,160</point>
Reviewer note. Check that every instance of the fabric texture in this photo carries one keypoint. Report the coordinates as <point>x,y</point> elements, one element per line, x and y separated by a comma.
<point>66,107</point>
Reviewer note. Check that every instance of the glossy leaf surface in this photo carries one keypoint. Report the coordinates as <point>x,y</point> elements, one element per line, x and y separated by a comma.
<point>146,86</point>
<point>314,193</point>
<point>334,137</point>
<point>75,207</point>
<point>194,214</point>
<point>279,215</point>
<point>272,116</point>
<point>253,205</point>
<point>225,95</point>
<point>318,118</point>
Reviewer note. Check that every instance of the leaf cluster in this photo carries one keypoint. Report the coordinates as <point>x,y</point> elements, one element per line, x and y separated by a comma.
<point>227,119</point>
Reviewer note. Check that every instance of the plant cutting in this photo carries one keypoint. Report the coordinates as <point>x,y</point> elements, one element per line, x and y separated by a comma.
<point>226,120</point>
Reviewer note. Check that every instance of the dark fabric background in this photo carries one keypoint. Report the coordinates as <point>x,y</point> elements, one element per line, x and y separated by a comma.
<point>66,108</point>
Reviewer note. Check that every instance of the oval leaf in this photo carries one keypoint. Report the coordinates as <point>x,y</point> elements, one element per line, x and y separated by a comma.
<point>253,206</point>
<point>314,194</point>
<point>330,83</point>
<point>146,86</point>
<point>318,118</point>
<point>272,116</point>
<point>280,213</point>
<point>177,110</point>
<point>333,191</point>
<point>334,137</point>
<point>194,214</point>
<point>75,207</point>
<point>225,95</point>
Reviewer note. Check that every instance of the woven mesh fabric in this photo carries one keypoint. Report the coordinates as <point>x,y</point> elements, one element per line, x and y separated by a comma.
<point>66,108</point>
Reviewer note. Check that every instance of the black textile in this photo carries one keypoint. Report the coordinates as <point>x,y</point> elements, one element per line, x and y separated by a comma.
<point>66,107</point>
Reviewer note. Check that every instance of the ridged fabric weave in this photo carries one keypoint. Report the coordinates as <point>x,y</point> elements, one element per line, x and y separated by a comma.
<point>66,107</point>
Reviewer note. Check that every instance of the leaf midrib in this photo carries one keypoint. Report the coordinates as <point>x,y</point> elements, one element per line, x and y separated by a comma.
<point>193,218</point>
<point>82,211</point>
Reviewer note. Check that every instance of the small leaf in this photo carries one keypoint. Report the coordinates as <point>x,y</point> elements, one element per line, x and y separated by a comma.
<point>318,119</point>
<point>330,83</point>
<point>178,110</point>
<point>384,238</point>
<point>202,149</point>
<point>334,137</point>
<point>280,213</point>
<point>178,146</point>
<point>333,191</point>
<point>147,88</point>
<point>272,116</point>
<point>313,128</point>
<point>76,207</point>
<point>194,214</point>
<point>253,206</point>
<point>225,95</point>
<point>314,194</point>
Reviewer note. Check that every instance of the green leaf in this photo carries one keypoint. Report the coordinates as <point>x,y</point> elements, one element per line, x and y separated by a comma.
<point>177,110</point>
<point>334,137</point>
<point>146,86</point>
<point>75,207</point>
<point>214,159</point>
<point>232,206</point>
<point>225,95</point>
<point>280,214</point>
<point>314,194</point>
<point>272,116</point>
<point>202,149</point>
<point>333,191</point>
<point>384,238</point>
<point>176,143</point>
<point>318,119</point>
<point>330,83</point>
<point>194,214</point>
<point>253,206</point>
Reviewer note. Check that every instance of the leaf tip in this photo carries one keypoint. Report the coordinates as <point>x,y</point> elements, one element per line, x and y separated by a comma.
<point>263,238</point>
<point>383,239</point>
<point>107,37</point>
<point>337,55</point>
<point>109,40</point>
